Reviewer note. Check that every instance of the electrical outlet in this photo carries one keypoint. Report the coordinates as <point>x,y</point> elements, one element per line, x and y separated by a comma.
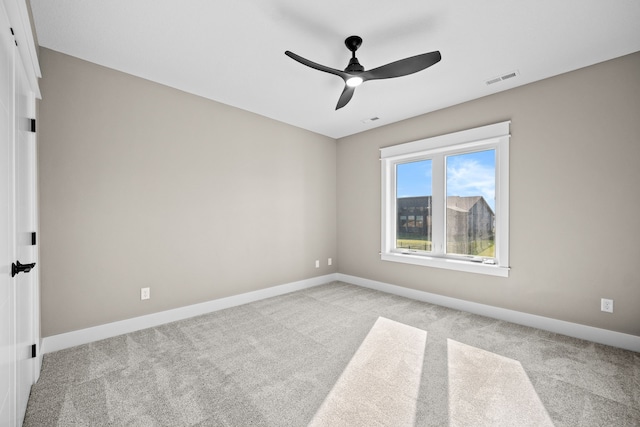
<point>145,293</point>
<point>329,261</point>
<point>317,263</point>
<point>606,305</point>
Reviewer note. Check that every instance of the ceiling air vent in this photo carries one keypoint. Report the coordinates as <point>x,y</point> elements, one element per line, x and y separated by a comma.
<point>502,78</point>
<point>372,119</point>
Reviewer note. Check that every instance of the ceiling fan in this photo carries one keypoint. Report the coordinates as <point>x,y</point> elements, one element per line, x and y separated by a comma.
<point>354,75</point>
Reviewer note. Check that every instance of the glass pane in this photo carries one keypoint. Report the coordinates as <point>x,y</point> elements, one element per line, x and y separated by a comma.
<point>471,185</point>
<point>413,205</point>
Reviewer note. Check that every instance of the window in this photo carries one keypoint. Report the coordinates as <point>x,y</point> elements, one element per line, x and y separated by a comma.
<point>445,201</point>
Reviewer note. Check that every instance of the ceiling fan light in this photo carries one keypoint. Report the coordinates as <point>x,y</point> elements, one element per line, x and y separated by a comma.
<point>354,81</point>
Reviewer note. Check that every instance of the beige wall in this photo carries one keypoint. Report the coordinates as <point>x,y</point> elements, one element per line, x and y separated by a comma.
<point>575,201</point>
<point>143,185</point>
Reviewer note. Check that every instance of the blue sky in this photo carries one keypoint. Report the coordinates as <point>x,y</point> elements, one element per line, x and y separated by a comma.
<point>471,174</point>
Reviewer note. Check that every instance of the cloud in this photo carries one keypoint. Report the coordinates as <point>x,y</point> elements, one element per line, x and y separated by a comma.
<point>467,176</point>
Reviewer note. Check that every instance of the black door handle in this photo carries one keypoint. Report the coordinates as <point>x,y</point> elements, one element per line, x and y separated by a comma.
<point>21,268</point>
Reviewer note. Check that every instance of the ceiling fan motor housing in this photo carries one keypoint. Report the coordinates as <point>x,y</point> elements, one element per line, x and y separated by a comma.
<point>354,66</point>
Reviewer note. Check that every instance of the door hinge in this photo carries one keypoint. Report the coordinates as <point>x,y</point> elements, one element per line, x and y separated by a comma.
<point>32,127</point>
<point>14,36</point>
<point>33,350</point>
<point>33,238</point>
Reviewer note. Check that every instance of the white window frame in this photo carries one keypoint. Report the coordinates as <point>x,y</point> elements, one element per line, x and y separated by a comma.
<point>495,136</point>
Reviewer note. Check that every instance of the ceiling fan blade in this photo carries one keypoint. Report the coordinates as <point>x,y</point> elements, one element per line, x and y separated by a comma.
<point>347,93</point>
<point>403,67</point>
<point>316,66</point>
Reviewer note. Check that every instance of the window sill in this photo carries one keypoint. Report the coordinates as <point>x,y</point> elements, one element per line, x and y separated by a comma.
<point>448,264</point>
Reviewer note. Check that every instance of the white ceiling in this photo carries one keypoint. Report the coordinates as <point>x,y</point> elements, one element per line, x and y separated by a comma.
<point>232,51</point>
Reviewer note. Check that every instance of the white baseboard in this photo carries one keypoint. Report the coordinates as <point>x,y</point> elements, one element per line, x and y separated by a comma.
<point>602,336</point>
<point>96,333</point>
<point>84,336</point>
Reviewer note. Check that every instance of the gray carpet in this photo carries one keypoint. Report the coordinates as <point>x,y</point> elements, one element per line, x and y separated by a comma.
<point>308,358</point>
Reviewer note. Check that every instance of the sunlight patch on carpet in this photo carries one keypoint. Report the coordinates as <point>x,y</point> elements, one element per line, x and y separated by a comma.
<point>486,389</point>
<point>380,385</point>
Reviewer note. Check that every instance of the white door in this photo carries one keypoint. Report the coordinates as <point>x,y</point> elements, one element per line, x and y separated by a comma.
<point>7,226</point>
<point>19,314</point>
<point>25,196</point>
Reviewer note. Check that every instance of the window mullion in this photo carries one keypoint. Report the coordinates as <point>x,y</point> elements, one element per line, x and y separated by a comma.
<point>438,205</point>
<point>388,206</point>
